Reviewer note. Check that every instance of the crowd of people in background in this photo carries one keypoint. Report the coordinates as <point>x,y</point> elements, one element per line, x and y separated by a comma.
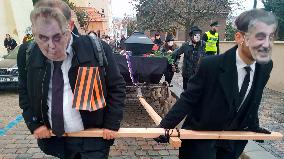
<point>194,48</point>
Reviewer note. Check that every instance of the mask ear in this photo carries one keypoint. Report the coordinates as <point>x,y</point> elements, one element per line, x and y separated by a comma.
<point>71,25</point>
<point>239,38</point>
<point>246,39</point>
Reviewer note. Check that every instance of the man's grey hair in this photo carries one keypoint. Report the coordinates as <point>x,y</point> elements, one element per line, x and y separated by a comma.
<point>246,20</point>
<point>60,4</point>
<point>47,13</point>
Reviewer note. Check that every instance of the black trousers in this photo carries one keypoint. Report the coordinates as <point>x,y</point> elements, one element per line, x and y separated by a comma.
<point>210,53</point>
<point>169,74</point>
<point>211,149</point>
<point>76,147</point>
<point>184,82</point>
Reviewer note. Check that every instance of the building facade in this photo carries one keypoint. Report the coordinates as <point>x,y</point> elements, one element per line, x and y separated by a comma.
<point>15,19</point>
<point>100,15</point>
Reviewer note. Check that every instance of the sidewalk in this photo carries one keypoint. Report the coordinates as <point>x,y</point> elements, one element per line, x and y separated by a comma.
<point>254,151</point>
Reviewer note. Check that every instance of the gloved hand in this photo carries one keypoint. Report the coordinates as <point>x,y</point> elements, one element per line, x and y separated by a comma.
<point>261,130</point>
<point>161,139</point>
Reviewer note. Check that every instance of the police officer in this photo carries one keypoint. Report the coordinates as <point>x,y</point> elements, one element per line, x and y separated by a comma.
<point>211,38</point>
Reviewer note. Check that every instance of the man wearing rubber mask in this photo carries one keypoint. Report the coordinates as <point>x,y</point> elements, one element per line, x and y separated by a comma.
<point>193,50</point>
<point>226,91</point>
<point>48,74</point>
<point>196,37</point>
<point>259,40</point>
<point>52,40</point>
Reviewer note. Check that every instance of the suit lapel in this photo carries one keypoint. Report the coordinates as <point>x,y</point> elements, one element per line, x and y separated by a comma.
<point>37,59</point>
<point>83,49</point>
<point>229,77</point>
<point>259,79</point>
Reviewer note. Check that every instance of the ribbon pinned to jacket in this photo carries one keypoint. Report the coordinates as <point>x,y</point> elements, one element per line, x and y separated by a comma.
<point>88,92</point>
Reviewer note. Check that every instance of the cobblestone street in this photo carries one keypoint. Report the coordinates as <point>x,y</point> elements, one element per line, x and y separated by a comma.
<point>16,141</point>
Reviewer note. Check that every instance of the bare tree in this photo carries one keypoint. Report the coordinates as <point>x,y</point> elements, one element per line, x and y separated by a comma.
<point>166,15</point>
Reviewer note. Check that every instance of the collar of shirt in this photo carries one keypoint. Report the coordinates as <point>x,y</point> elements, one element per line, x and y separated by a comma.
<point>69,49</point>
<point>241,64</point>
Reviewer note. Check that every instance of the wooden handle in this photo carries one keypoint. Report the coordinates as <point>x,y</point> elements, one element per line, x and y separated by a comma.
<point>184,134</point>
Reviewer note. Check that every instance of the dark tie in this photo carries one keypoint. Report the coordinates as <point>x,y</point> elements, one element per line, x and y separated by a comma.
<point>57,100</point>
<point>244,87</point>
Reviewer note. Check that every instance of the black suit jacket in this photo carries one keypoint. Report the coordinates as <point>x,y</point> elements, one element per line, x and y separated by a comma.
<point>210,100</point>
<point>34,76</point>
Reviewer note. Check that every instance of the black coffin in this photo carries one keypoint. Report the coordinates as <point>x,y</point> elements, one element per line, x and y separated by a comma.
<point>138,43</point>
<point>145,69</point>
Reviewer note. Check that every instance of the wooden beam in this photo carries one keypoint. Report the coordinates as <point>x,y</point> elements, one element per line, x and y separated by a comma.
<point>175,142</point>
<point>184,134</point>
<point>155,116</point>
<point>123,132</point>
<point>229,135</point>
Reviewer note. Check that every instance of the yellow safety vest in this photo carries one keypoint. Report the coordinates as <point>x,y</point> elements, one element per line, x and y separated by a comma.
<point>211,42</point>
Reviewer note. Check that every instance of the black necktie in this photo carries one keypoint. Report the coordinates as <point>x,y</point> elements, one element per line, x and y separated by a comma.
<point>245,85</point>
<point>57,100</point>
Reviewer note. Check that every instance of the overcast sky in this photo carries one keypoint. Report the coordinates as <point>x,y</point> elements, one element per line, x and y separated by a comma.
<point>121,7</point>
<point>248,4</point>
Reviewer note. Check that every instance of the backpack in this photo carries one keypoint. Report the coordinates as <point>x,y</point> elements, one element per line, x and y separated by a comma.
<point>96,44</point>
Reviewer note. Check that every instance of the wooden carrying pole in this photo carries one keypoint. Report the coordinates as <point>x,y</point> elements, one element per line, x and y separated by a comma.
<point>155,116</point>
<point>174,135</point>
<point>184,134</point>
<point>174,141</point>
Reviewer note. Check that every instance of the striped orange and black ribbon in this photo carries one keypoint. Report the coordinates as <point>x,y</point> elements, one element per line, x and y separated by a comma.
<point>88,94</point>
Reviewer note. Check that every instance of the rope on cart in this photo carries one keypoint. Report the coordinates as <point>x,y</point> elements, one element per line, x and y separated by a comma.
<point>128,60</point>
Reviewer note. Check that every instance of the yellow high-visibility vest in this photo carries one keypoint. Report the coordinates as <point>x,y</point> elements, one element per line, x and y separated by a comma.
<point>211,42</point>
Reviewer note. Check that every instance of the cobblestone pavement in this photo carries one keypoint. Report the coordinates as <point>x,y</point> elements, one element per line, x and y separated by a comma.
<point>272,117</point>
<point>18,143</point>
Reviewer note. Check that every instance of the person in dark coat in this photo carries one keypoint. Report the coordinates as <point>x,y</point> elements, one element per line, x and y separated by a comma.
<point>167,50</point>
<point>92,34</point>
<point>226,91</point>
<point>193,50</point>
<point>47,81</point>
<point>158,40</point>
<point>121,42</point>
<point>9,43</point>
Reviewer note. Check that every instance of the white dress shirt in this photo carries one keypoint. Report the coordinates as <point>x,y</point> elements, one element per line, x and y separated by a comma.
<point>242,73</point>
<point>72,117</point>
